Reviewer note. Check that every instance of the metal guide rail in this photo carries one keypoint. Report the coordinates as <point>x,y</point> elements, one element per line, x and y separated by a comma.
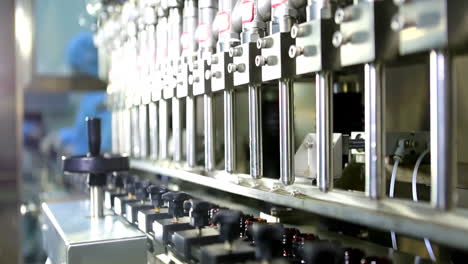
<point>169,56</point>
<point>415,219</point>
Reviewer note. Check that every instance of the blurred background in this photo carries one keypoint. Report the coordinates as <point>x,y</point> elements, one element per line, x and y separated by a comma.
<point>49,85</point>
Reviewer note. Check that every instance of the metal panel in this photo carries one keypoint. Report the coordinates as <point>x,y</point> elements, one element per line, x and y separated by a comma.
<point>72,237</point>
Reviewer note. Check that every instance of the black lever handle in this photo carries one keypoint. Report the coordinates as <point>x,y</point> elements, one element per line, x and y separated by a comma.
<point>155,194</point>
<point>94,135</point>
<point>199,213</point>
<point>176,203</point>
<point>229,221</point>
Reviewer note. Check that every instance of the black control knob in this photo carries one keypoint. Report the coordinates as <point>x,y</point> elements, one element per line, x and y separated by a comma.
<point>94,136</point>
<point>229,224</point>
<point>268,240</point>
<point>176,203</point>
<point>95,164</point>
<point>155,195</point>
<point>200,213</point>
<point>323,252</point>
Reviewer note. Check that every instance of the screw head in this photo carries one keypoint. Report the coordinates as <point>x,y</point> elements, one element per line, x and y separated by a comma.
<point>337,39</point>
<point>295,31</point>
<point>260,61</point>
<point>207,74</point>
<point>339,15</point>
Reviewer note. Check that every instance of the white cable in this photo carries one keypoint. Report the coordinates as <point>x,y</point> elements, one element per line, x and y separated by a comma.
<point>393,179</point>
<point>430,251</point>
<point>391,194</point>
<point>415,174</point>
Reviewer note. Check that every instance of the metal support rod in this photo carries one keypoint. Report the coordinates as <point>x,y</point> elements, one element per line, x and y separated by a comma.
<point>255,131</point>
<point>286,123</point>
<point>153,130</point>
<point>143,120</point>
<point>230,131</point>
<point>191,127</point>
<point>443,132</point>
<point>135,133</point>
<point>127,130</point>
<point>209,130</point>
<point>177,129</point>
<point>96,201</point>
<point>115,131</point>
<point>163,130</point>
<point>324,121</point>
<point>375,130</point>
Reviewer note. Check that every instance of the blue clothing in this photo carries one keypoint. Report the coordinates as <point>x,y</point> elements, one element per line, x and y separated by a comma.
<point>76,136</point>
<point>82,54</point>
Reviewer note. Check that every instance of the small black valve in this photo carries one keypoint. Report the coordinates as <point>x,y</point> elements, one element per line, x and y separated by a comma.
<point>155,193</point>
<point>140,190</point>
<point>228,220</point>
<point>199,213</point>
<point>268,240</point>
<point>176,203</point>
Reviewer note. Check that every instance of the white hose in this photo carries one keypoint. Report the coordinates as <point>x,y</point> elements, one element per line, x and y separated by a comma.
<point>391,194</point>
<point>393,179</point>
<point>430,251</point>
<point>415,174</point>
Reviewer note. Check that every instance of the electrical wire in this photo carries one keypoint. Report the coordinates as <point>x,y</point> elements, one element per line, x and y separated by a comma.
<point>391,194</point>
<point>427,242</point>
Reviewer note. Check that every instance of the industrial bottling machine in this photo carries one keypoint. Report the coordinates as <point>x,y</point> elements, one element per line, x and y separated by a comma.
<point>274,131</point>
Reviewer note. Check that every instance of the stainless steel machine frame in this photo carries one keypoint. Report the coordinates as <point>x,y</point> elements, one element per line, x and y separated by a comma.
<point>357,42</point>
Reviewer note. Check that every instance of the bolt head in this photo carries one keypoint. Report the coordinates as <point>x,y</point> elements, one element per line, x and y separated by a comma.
<point>337,39</point>
<point>295,31</point>
<point>339,15</point>
<point>207,74</point>
<point>292,52</point>
<point>231,67</point>
<point>260,61</point>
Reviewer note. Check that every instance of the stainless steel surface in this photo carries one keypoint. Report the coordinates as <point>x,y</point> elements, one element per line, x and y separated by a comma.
<point>11,104</point>
<point>255,131</point>
<point>209,130</point>
<point>230,135</point>
<point>135,135</point>
<point>163,130</point>
<point>286,123</point>
<point>402,216</point>
<point>127,124</point>
<point>96,201</point>
<point>115,131</point>
<point>361,39</point>
<point>177,129</point>
<point>443,132</point>
<point>143,130</point>
<point>374,97</point>
<point>153,130</point>
<point>324,91</point>
<point>191,128</point>
<point>72,237</point>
